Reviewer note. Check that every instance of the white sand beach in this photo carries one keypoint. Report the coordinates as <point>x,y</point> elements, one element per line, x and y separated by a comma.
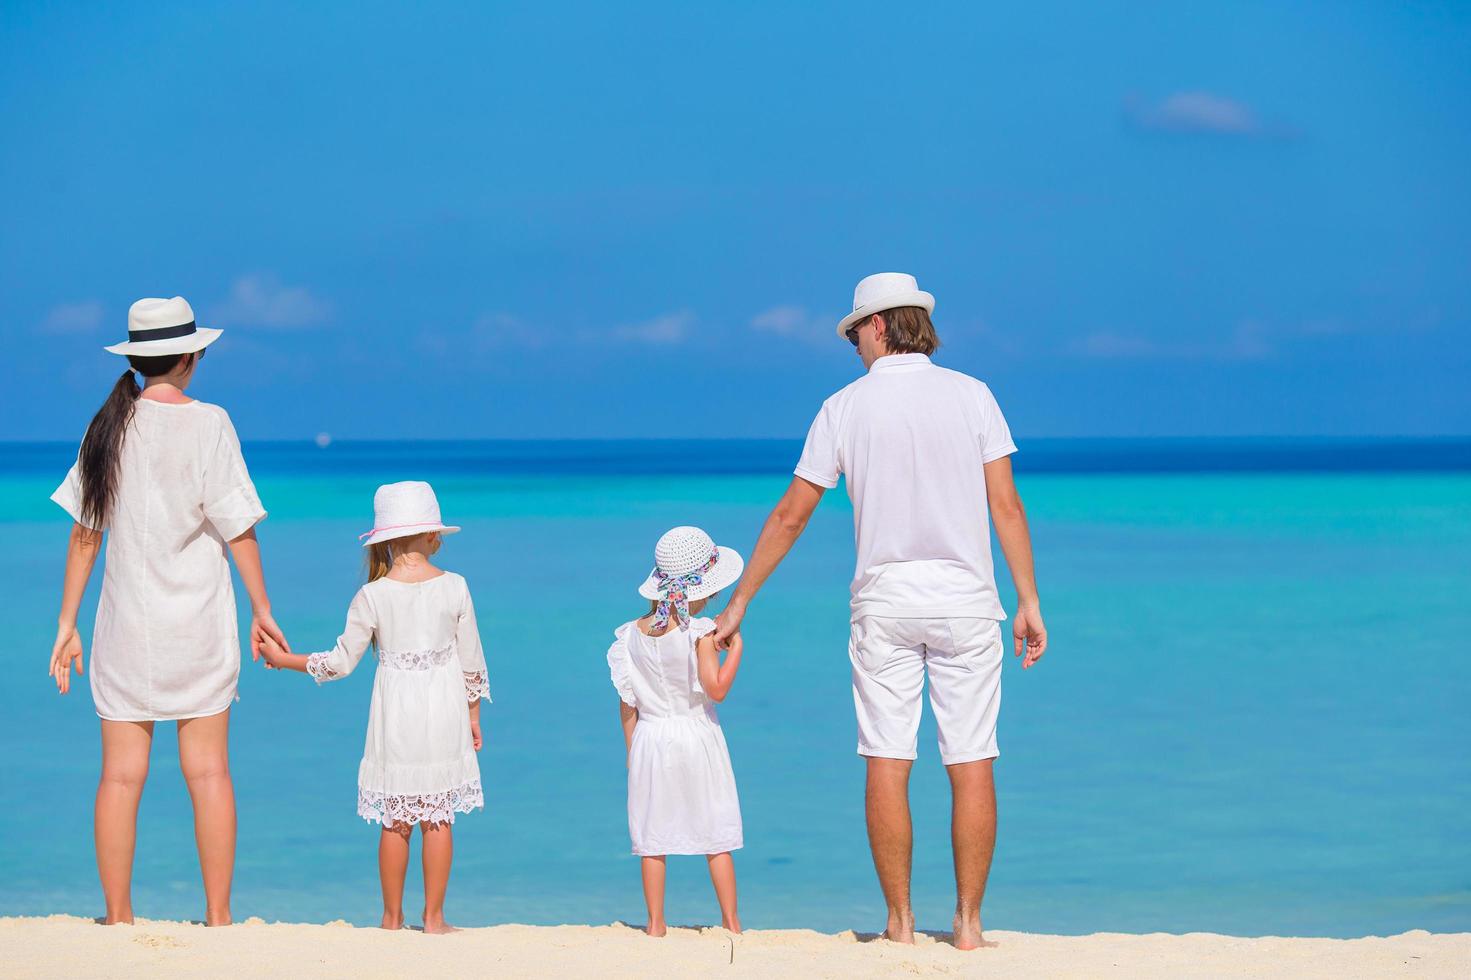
<point>61,945</point>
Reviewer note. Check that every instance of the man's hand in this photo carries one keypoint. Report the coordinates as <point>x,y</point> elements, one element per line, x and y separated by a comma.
<point>1030,634</point>
<point>728,624</point>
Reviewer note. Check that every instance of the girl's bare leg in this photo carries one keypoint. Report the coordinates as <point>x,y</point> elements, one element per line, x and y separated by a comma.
<point>722,876</point>
<point>439,853</point>
<point>204,758</point>
<point>653,870</point>
<point>393,866</point>
<point>125,746</point>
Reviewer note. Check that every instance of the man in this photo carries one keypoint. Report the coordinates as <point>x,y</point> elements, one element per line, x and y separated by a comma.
<point>922,447</point>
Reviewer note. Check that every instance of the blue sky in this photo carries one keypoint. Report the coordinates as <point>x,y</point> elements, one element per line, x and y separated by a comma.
<point>642,219</point>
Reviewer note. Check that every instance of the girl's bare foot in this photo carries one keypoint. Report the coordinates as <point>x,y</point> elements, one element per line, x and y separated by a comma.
<point>392,920</point>
<point>434,925</point>
<point>968,935</point>
<point>656,929</point>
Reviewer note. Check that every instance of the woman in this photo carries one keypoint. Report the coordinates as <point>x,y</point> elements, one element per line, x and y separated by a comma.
<point>163,475</point>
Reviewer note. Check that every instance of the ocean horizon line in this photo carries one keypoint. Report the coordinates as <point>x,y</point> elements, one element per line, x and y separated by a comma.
<point>774,456</point>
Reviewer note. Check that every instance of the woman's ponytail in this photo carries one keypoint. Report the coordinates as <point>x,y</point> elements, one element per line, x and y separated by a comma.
<point>102,448</point>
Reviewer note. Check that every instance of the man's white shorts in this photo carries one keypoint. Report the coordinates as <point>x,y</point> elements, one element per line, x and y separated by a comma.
<point>890,658</point>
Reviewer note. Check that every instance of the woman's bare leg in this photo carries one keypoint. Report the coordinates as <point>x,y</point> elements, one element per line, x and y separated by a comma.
<point>722,876</point>
<point>393,866</point>
<point>204,757</point>
<point>439,853</point>
<point>125,747</point>
<point>653,871</point>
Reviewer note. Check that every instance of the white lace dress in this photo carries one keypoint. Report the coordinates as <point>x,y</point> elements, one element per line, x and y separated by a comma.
<point>418,759</point>
<point>681,789</point>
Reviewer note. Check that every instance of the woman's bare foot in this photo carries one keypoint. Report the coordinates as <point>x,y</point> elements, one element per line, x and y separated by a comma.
<point>434,925</point>
<point>731,925</point>
<point>968,935</point>
<point>120,919</point>
<point>392,920</point>
<point>656,929</point>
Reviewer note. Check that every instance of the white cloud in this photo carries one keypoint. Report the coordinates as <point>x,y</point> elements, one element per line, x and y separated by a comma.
<point>668,328</point>
<point>1248,342</point>
<point>795,322</point>
<point>262,301</point>
<point>1198,112</point>
<point>83,317</point>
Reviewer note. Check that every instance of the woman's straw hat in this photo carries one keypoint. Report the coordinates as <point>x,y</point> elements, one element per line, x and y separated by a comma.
<point>159,327</point>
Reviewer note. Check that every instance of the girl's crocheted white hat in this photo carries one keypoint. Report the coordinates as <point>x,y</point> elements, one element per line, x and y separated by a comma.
<point>401,510</point>
<point>687,557</point>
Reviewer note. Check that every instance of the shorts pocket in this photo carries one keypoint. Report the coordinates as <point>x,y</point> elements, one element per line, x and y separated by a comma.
<point>975,643</point>
<point>870,647</point>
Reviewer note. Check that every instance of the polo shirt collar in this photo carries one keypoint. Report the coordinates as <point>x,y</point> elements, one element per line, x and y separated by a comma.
<point>892,361</point>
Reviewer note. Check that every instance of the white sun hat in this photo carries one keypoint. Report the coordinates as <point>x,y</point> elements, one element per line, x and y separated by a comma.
<point>688,566</point>
<point>158,327</point>
<point>884,291</point>
<point>402,510</point>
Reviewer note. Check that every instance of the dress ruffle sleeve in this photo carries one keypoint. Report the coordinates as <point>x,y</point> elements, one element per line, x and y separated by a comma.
<point>337,663</point>
<point>471,653</point>
<point>230,502</point>
<point>618,665</point>
<point>699,627</point>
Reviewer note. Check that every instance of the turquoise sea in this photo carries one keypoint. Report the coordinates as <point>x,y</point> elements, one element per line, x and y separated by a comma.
<point>1253,718</point>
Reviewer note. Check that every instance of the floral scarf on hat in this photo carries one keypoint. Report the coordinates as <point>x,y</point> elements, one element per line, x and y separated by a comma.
<point>674,592</point>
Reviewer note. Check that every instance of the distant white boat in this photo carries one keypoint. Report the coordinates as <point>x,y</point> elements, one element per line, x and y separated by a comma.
<point>323,440</point>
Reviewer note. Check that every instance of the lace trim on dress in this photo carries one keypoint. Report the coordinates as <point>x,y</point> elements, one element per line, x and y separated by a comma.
<point>477,686</point>
<point>415,659</point>
<point>389,809</point>
<point>321,671</point>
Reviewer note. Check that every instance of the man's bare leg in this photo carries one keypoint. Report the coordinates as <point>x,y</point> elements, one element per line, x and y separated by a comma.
<point>973,837</point>
<point>891,838</point>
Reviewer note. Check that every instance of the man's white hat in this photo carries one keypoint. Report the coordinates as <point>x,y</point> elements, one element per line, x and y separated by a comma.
<point>884,291</point>
<point>402,510</point>
<point>158,327</point>
<point>684,553</point>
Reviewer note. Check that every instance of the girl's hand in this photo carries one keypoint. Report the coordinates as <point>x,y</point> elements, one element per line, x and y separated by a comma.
<point>475,733</point>
<point>66,652</point>
<point>272,653</point>
<point>262,628</point>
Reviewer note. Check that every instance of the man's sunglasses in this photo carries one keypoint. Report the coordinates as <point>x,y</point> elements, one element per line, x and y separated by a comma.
<point>852,332</point>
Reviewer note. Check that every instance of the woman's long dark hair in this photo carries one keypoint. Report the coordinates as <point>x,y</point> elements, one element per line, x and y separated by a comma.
<point>102,446</point>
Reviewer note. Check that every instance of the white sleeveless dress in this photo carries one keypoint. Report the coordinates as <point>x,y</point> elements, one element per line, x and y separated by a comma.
<point>681,789</point>
<point>166,643</point>
<point>418,759</point>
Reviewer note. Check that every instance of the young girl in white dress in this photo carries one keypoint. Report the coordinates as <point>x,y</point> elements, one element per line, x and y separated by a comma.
<point>681,790</point>
<point>418,762</point>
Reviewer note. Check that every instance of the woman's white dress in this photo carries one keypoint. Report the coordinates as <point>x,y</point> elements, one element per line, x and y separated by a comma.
<point>418,759</point>
<point>681,789</point>
<point>166,644</point>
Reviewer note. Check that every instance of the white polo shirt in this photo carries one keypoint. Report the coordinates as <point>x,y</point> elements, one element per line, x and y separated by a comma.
<point>913,440</point>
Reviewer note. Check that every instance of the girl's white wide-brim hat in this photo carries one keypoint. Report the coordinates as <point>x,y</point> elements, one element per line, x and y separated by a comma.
<point>402,510</point>
<point>885,291</point>
<point>159,327</point>
<point>683,550</point>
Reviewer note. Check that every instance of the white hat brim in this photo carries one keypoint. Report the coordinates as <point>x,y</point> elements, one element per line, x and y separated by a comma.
<point>201,338</point>
<point>727,571</point>
<point>918,298</point>
<point>408,531</point>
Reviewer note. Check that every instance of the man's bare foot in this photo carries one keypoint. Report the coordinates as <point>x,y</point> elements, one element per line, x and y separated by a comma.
<point>900,928</point>
<point>392,920</point>
<point>434,925</point>
<point>655,929</point>
<point>968,934</point>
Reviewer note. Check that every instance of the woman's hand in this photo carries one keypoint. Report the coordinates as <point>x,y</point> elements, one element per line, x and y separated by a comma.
<point>263,627</point>
<point>66,653</point>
